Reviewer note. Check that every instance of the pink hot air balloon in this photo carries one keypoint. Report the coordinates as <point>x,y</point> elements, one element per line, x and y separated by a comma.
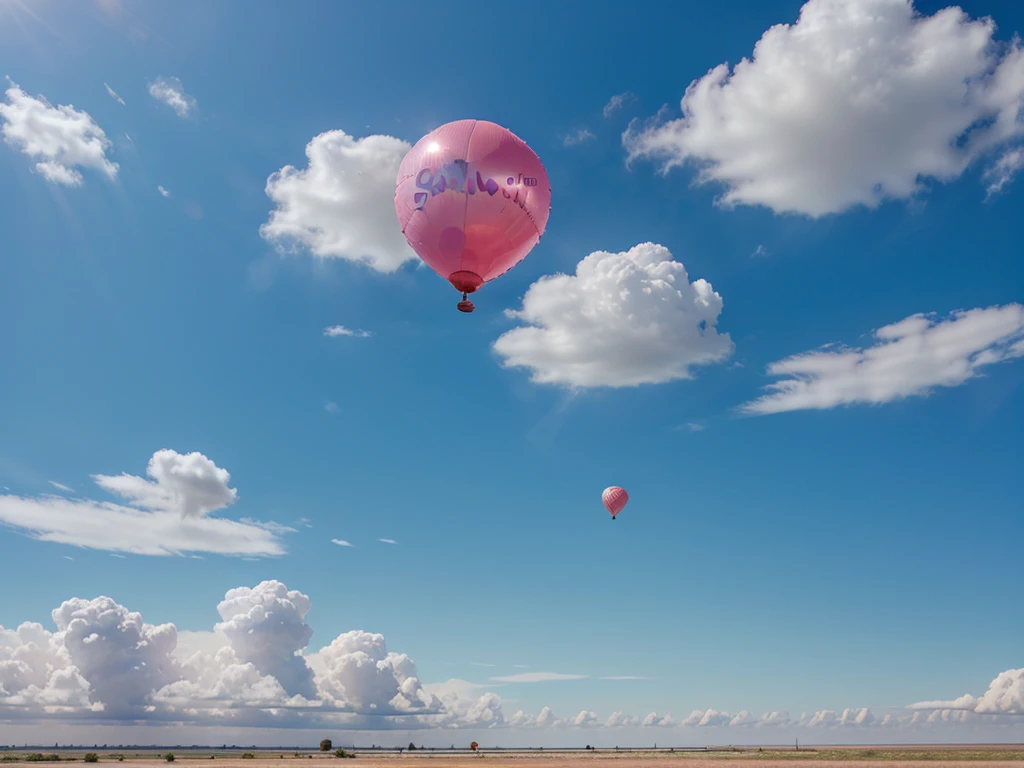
<point>614,499</point>
<point>472,200</point>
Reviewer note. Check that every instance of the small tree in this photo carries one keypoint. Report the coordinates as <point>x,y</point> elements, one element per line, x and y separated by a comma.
<point>412,746</point>
<point>325,745</point>
<point>169,757</point>
<point>92,757</point>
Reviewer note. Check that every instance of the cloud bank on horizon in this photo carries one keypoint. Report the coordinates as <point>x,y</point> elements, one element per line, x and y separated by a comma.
<point>105,664</point>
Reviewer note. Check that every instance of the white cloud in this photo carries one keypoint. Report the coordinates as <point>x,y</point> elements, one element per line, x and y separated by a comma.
<point>342,204</point>
<point>101,662</point>
<point>387,541</point>
<point>61,486</point>
<point>359,670</point>
<point>857,102</point>
<point>59,138</point>
<point>188,484</point>
<point>1003,171</point>
<point>332,407</point>
<point>1005,696</point>
<point>910,358</point>
<point>169,514</point>
<point>266,627</point>
<point>578,137</point>
<point>617,102</point>
<point>481,664</point>
<point>340,330</point>
<point>113,95</point>
<point>693,426</point>
<point>341,543</point>
<point>623,319</point>
<point>654,720</point>
<point>171,92</point>
<point>760,253</point>
<point>621,720</point>
<point>163,191</point>
<point>536,677</point>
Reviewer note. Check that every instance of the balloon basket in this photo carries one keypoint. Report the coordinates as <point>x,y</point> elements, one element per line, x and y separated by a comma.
<point>465,306</point>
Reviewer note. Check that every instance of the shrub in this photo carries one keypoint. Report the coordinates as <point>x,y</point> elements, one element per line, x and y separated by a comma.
<point>412,746</point>
<point>325,745</point>
<point>169,757</point>
<point>248,756</point>
<point>92,757</point>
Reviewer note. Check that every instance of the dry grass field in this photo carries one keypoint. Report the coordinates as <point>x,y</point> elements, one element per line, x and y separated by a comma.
<point>930,756</point>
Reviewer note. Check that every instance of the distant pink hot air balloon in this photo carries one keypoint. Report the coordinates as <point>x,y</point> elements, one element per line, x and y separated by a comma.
<point>473,199</point>
<point>614,499</point>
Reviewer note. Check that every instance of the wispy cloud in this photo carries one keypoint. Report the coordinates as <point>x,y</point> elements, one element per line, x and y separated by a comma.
<point>342,543</point>
<point>172,93</point>
<point>340,330</point>
<point>68,557</point>
<point>617,102</point>
<point>113,95</point>
<point>481,664</point>
<point>163,191</point>
<point>578,137</point>
<point>61,486</point>
<point>691,426</point>
<point>536,677</point>
<point>387,541</point>
<point>624,677</point>
<point>332,407</point>
<point>760,253</point>
<point>909,358</point>
<point>304,522</point>
<point>520,666</point>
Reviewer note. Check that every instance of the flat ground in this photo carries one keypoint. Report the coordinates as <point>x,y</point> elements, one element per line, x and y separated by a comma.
<point>926,756</point>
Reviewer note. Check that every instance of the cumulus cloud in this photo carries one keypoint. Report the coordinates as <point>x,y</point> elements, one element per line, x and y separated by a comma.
<point>623,319</point>
<point>617,102</point>
<point>266,627</point>
<point>341,330</point>
<point>169,514</point>
<point>113,95</point>
<point>188,484</point>
<point>359,670</point>
<point>857,102</point>
<point>101,662</point>
<point>60,139</point>
<point>578,137</point>
<point>910,358</point>
<point>171,92</point>
<point>342,204</point>
<point>654,720</point>
<point>1005,696</point>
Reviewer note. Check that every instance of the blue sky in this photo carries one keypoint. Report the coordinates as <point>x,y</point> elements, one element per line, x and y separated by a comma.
<point>856,554</point>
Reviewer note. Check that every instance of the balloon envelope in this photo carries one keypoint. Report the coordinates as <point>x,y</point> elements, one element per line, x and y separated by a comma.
<point>614,499</point>
<point>472,199</point>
